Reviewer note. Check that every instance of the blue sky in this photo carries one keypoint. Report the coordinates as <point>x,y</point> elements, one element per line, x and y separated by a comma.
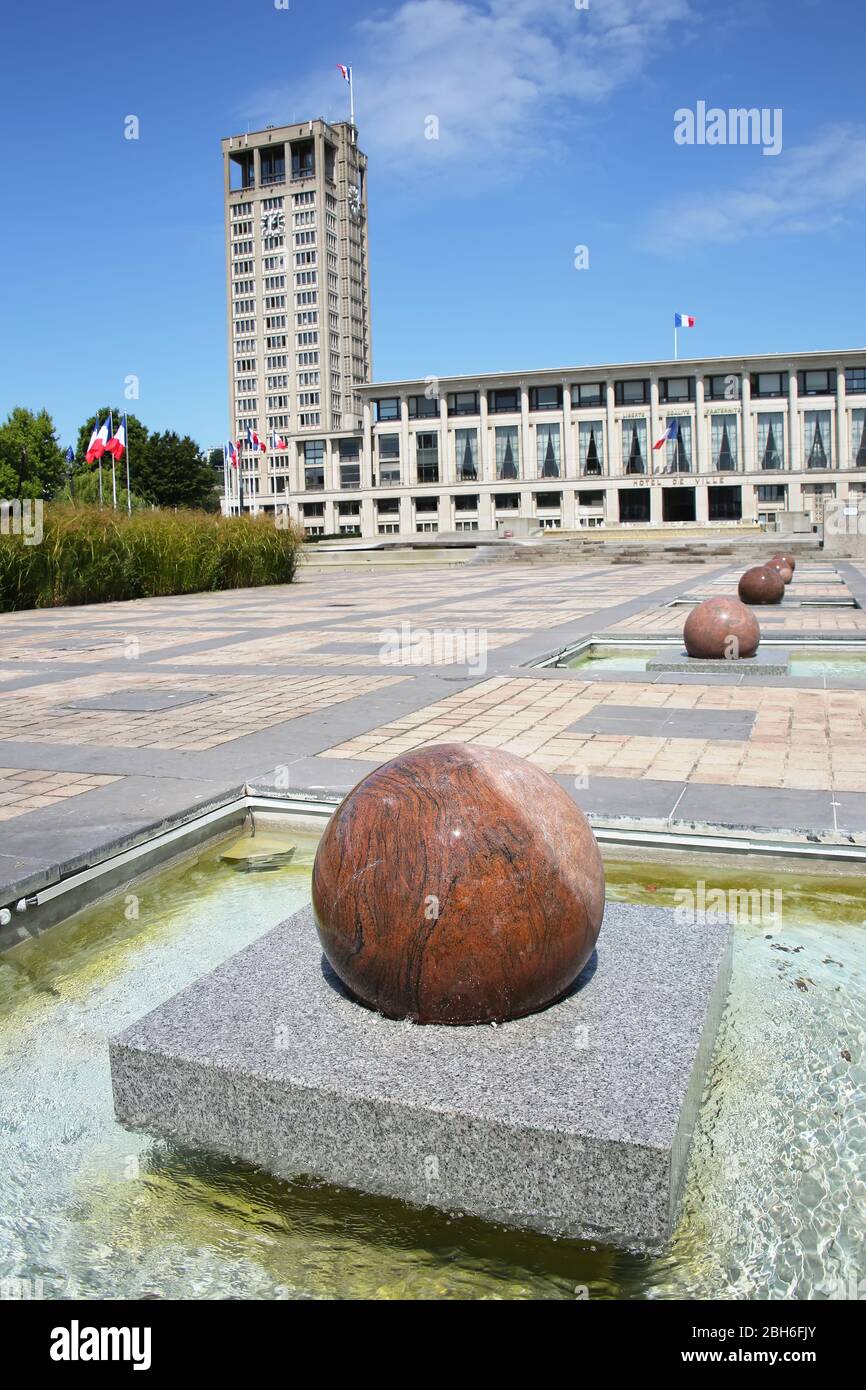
<point>556,130</point>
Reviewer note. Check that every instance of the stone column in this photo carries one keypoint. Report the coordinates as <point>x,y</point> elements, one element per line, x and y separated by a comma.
<point>527,469</point>
<point>656,512</point>
<point>613,452</point>
<point>485,471</point>
<point>702,458</point>
<point>702,501</point>
<point>656,428</point>
<point>748,464</point>
<point>368,476</point>
<point>446,472</point>
<point>844,453</point>
<point>569,469</point>
<point>407,464</point>
<point>794,452</point>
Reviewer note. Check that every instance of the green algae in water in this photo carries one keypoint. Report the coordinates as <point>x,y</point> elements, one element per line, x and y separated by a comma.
<point>597,658</point>
<point>773,1197</point>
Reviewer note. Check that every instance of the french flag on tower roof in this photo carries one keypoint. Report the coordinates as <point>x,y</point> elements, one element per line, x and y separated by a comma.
<point>684,321</point>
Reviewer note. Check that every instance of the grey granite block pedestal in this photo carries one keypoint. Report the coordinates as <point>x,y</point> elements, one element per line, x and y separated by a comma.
<point>575,1121</point>
<point>774,661</point>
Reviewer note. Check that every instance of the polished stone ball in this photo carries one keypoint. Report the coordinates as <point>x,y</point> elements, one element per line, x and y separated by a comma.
<point>458,884</point>
<point>782,568</point>
<point>761,585</point>
<point>786,558</point>
<point>721,628</point>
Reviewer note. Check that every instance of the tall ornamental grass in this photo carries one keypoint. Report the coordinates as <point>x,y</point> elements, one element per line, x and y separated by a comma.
<point>92,556</point>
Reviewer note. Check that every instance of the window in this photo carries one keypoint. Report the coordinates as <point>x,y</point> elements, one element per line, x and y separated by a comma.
<point>545,398</point>
<point>774,493</point>
<point>547,447</point>
<point>816,383</point>
<point>723,443</point>
<point>349,508</point>
<point>590,393</point>
<point>388,408</point>
<point>466,502</point>
<point>676,388</point>
<point>422,407</point>
<point>427,457</point>
<point>548,501</point>
<point>388,506</point>
<point>350,475</point>
<point>771,440</point>
<point>634,446</point>
<point>465,525</point>
<point>725,503</point>
<point>466,450</point>
<point>350,450</point>
<point>389,446</point>
<point>463,403</point>
<point>817,438</point>
<point>855,380</point>
<point>591,447</point>
<point>679,450</point>
<point>507,452</point>
<point>312,509</point>
<point>507,501</point>
<point>388,528</point>
<point>858,438</point>
<point>632,392</point>
<point>426,504</point>
<point>769,383</point>
<point>314,464</point>
<point>499,401</point>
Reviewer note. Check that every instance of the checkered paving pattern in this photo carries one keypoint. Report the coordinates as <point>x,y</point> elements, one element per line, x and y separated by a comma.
<point>28,789</point>
<point>800,738</point>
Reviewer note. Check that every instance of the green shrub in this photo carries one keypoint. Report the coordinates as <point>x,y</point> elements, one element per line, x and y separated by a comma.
<point>92,556</point>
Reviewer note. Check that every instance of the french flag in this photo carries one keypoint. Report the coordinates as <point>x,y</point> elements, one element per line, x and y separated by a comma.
<point>670,434</point>
<point>233,455</point>
<point>98,442</point>
<point>252,439</point>
<point>280,442</point>
<point>347,72</point>
<point>684,321</point>
<point>117,444</point>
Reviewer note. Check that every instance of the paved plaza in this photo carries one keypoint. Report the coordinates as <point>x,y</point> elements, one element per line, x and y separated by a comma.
<point>121,718</point>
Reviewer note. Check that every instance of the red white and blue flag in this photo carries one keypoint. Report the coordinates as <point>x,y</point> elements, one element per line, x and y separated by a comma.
<point>669,435</point>
<point>684,321</point>
<point>347,72</point>
<point>232,454</point>
<point>117,444</point>
<point>253,439</point>
<point>280,442</point>
<point>98,441</point>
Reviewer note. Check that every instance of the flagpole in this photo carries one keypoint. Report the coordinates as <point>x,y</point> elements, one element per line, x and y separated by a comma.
<point>128,487</point>
<point>676,354</point>
<point>351,98</point>
<point>113,464</point>
<point>99,460</point>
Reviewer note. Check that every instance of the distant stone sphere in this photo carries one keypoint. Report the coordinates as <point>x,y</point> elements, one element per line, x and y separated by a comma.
<point>782,568</point>
<point>458,884</point>
<point>786,557</point>
<point>721,628</point>
<point>761,585</point>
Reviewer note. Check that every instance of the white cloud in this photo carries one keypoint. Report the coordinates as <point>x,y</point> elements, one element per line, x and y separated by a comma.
<point>498,74</point>
<point>806,188</point>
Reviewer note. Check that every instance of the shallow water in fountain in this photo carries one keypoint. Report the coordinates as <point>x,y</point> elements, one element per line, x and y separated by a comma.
<point>844,665</point>
<point>598,658</point>
<point>774,1197</point>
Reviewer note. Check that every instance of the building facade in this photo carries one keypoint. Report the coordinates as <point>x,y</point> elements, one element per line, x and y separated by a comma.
<point>298,290</point>
<point>573,448</point>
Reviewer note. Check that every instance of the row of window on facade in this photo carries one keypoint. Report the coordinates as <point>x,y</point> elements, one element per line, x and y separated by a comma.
<point>627,506</point>
<point>763,385</point>
<point>678,457</point>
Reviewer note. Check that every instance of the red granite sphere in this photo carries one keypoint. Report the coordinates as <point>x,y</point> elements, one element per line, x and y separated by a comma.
<point>761,585</point>
<point>787,559</point>
<point>458,884</point>
<point>721,628</point>
<point>782,568</point>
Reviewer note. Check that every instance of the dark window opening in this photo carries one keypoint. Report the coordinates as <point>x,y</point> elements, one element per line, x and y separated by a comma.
<point>634,504</point>
<point>678,504</point>
<point>725,503</point>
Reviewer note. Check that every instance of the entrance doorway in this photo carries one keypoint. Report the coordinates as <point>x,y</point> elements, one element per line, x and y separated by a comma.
<point>678,504</point>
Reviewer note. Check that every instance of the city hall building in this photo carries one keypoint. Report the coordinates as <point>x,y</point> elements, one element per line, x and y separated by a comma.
<point>565,448</point>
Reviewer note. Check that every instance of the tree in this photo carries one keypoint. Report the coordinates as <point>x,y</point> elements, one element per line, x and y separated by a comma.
<point>177,474</point>
<point>165,469</point>
<point>31,460</point>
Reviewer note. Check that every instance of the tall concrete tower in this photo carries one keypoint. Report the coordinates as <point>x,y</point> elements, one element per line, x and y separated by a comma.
<point>298,290</point>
